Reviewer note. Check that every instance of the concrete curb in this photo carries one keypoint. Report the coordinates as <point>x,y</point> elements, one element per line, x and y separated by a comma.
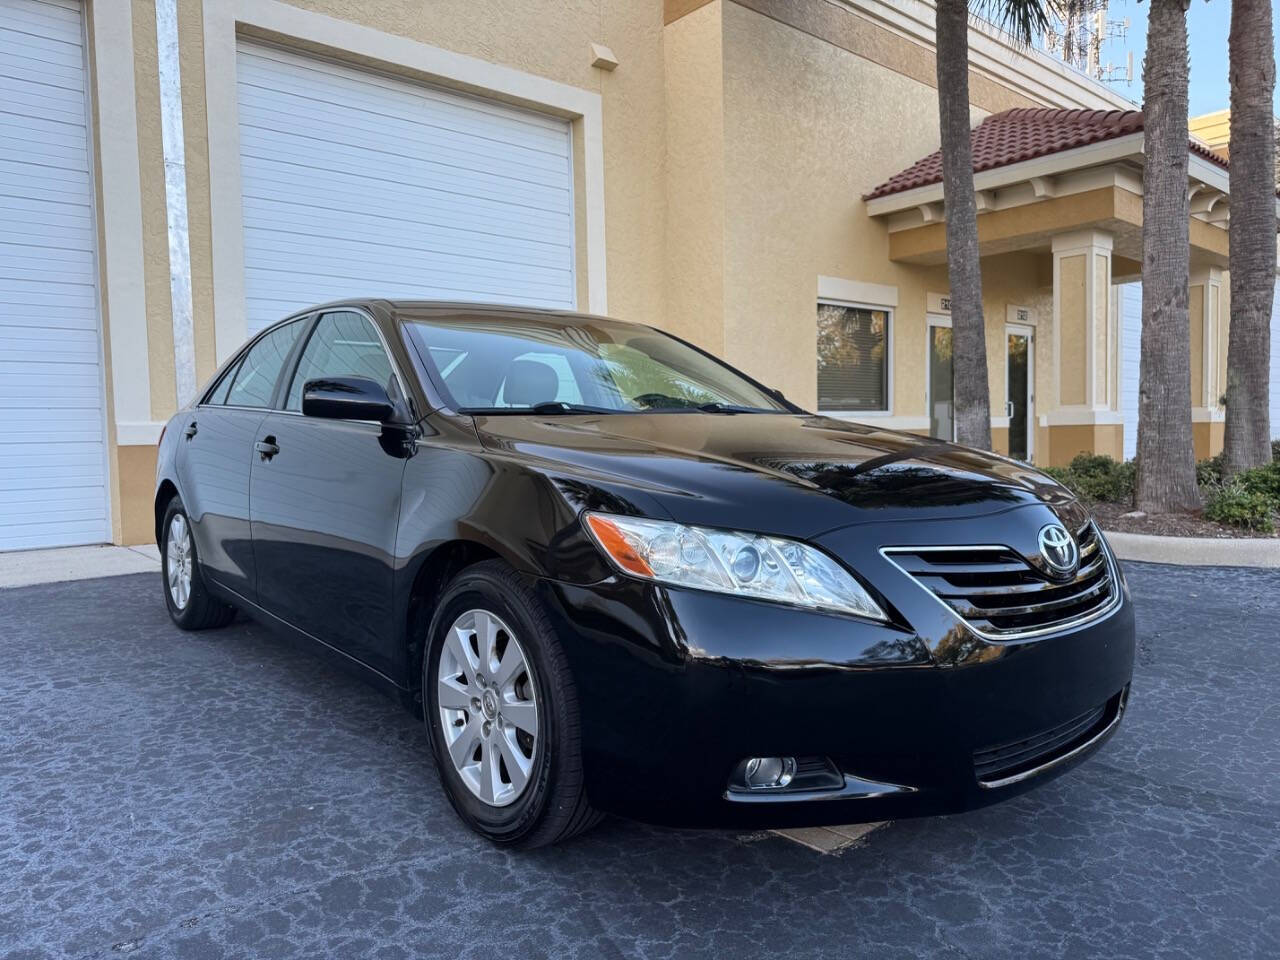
<point>26,568</point>
<point>1196,551</point>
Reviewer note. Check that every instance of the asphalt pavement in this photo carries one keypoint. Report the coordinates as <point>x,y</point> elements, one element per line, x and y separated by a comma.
<point>227,794</point>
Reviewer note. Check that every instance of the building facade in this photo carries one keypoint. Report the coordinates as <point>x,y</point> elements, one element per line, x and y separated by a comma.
<point>179,173</point>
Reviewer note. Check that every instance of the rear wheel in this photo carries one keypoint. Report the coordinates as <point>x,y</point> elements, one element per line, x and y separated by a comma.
<point>191,605</point>
<point>502,712</point>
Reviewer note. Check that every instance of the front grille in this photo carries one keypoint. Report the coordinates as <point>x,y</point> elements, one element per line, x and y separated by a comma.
<point>1002,596</point>
<point>996,764</point>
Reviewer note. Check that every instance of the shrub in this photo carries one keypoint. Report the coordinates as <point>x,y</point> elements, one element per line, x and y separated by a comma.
<point>1235,504</point>
<point>1264,481</point>
<point>1209,471</point>
<point>1275,451</point>
<point>1097,477</point>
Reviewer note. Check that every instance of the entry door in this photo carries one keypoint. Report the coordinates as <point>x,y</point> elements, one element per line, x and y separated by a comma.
<point>326,504</point>
<point>215,452</point>
<point>1020,390</point>
<point>939,397</point>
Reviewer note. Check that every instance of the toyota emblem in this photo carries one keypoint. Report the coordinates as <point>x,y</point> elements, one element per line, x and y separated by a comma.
<point>1058,549</point>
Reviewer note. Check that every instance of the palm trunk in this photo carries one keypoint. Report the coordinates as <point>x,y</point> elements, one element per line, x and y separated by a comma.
<point>972,399</point>
<point>1253,237</point>
<point>1166,457</point>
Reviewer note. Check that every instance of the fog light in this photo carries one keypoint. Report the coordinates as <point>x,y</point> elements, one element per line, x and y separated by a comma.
<point>769,773</point>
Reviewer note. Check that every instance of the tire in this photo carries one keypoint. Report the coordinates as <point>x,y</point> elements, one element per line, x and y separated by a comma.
<point>193,608</point>
<point>551,804</point>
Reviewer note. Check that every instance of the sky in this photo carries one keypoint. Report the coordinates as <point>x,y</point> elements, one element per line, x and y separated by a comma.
<point>1207,27</point>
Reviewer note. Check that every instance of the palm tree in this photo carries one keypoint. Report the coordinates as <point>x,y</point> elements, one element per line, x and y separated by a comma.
<point>1253,236</point>
<point>1166,457</point>
<point>1024,19</point>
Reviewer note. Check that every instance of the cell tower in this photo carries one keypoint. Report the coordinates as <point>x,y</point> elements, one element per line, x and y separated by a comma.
<point>1076,32</point>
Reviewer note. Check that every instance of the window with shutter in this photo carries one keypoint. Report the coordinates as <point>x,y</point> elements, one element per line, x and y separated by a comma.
<point>853,358</point>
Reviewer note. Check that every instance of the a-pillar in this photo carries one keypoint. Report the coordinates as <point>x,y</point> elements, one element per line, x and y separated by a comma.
<point>1083,415</point>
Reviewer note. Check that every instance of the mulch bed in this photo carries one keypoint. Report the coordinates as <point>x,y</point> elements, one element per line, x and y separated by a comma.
<point>1112,516</point>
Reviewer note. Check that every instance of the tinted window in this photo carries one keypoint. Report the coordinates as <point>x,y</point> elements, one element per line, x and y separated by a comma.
<point>218,395</point>
<point>853,358</point>
<point>506,364</point>
<point>342,345</point>
<point>255,381</point>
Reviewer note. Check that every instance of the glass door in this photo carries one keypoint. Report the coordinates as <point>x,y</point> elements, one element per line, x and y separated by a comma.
<point>940,393</point>
<point>1019,375</point>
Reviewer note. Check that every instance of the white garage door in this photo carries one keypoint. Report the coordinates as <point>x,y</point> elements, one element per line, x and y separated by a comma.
<point>356,184</point>
<point>1131,305</point>
<point>1130,346</point>
<point>53,487</point>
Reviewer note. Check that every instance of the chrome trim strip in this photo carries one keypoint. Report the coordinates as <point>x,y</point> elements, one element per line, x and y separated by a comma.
<point>1050,764</point>
<point>1062,627</point>
<point>854,788</point>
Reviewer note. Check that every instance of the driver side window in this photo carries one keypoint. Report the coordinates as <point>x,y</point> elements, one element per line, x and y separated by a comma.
<point>343,344</point>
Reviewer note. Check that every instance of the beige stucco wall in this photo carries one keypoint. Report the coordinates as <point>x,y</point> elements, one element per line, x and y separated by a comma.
<point>808,129</point>
<point>736,149</point>
<point>546,38</point>
<point>695,177</point>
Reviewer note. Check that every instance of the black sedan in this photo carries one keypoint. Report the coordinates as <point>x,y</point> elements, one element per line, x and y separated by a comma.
<point>615,574</point>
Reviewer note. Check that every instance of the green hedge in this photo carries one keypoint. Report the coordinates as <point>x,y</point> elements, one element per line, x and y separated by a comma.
<point>1235,504</point>
<point>1097,478</point>
<point>1250,499</point>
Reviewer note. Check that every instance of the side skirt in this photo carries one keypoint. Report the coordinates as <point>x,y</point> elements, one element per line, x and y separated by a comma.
<point>312,644</point>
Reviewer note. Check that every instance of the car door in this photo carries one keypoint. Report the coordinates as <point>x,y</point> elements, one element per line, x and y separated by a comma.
<point>325,501</point>
<point>214,457</point>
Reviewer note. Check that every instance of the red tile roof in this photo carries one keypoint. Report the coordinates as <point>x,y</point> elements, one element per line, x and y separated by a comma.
<point>1023,134</point>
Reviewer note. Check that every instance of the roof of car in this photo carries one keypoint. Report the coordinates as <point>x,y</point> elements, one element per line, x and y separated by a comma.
<point>408,308</point>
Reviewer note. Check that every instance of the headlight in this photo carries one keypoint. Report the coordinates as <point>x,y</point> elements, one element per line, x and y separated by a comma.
<point>728,561</point>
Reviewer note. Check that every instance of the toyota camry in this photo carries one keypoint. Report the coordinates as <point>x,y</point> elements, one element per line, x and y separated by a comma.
<point>614,574</point>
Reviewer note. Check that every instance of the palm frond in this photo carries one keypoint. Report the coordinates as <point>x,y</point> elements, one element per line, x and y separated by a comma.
<point>1024,20</point>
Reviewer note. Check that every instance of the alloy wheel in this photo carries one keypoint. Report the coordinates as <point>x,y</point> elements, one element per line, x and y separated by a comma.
<point>178,561</point>
<point>488,707</point>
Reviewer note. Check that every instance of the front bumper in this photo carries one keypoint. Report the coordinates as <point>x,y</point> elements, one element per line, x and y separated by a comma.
<point>676,687</point>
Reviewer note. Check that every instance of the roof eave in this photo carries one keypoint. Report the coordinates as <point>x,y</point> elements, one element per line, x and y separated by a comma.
<point>1064,161</point>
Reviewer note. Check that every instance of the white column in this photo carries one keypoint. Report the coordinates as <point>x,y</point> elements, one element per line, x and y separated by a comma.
<point>123,282</point>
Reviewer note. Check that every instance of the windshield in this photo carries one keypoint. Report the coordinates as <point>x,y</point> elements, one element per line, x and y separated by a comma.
<point>570,365</point>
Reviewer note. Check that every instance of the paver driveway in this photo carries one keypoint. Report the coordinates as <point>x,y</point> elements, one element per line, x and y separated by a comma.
<point>225,794</point>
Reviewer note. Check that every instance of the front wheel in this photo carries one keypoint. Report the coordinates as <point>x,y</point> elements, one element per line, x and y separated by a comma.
<point>191,605</point>
<point>502,712</point>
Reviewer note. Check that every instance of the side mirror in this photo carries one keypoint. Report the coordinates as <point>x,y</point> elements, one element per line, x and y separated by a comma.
<point>347,398</point>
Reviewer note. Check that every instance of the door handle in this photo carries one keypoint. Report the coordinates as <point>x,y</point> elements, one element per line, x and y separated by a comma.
<point>190,431</point>
<point>267,447</point>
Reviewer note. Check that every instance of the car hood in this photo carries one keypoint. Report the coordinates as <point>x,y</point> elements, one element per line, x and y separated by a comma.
<point>792,475</point>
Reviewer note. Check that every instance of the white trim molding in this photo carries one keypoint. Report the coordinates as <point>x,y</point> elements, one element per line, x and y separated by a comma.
<point>885,421</point>
<point>141,433</point>
<point>223,22</point>
<point>120,213</point>
<point>855,291</point>
<point>1081,417</point>
<point>173,149</point>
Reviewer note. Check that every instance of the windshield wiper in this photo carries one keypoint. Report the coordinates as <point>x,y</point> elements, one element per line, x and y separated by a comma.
<point>715,407</point>
<point>544,408</point>
<point>663,403</point>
